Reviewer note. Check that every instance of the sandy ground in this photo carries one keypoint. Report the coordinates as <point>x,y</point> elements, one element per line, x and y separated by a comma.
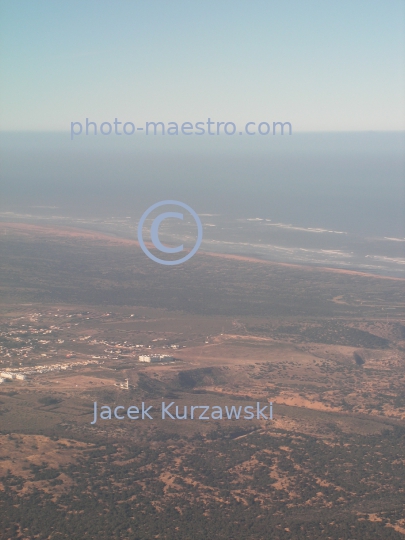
<point>71,232</point>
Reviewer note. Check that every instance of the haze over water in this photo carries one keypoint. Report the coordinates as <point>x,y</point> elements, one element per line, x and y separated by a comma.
<point>333,199</point>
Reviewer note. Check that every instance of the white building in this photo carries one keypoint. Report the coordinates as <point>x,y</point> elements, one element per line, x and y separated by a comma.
<point>145,358</point>
<point>21,376</point>
<point>155,358</point>
<point>166,358</point>
<point>7,375</point>
<point>2,380</point>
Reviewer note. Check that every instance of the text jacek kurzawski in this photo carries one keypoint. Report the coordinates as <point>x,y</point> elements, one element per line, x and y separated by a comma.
<point>171,411</point>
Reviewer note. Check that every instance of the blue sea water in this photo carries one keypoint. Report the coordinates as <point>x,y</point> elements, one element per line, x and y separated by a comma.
<point>331,199</point>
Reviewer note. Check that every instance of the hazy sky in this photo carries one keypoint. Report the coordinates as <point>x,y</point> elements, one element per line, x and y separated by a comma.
<point>322,65</point>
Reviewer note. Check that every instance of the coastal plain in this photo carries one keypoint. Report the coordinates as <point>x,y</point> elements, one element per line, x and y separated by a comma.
<point>325,346</point>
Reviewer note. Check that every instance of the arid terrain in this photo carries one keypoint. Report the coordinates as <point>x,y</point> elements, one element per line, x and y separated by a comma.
<point>326,347</point>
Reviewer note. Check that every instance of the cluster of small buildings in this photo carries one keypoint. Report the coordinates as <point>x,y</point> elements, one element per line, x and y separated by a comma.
<point>22,341</point>
<point>22,373</point>
<point>152,358</point>
<point>58,367</point>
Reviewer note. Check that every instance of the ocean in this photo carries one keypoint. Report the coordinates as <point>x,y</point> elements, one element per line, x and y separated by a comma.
<point>329,199</point>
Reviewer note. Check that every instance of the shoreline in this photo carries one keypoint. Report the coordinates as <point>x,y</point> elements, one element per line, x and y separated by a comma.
<point>75,232</point>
